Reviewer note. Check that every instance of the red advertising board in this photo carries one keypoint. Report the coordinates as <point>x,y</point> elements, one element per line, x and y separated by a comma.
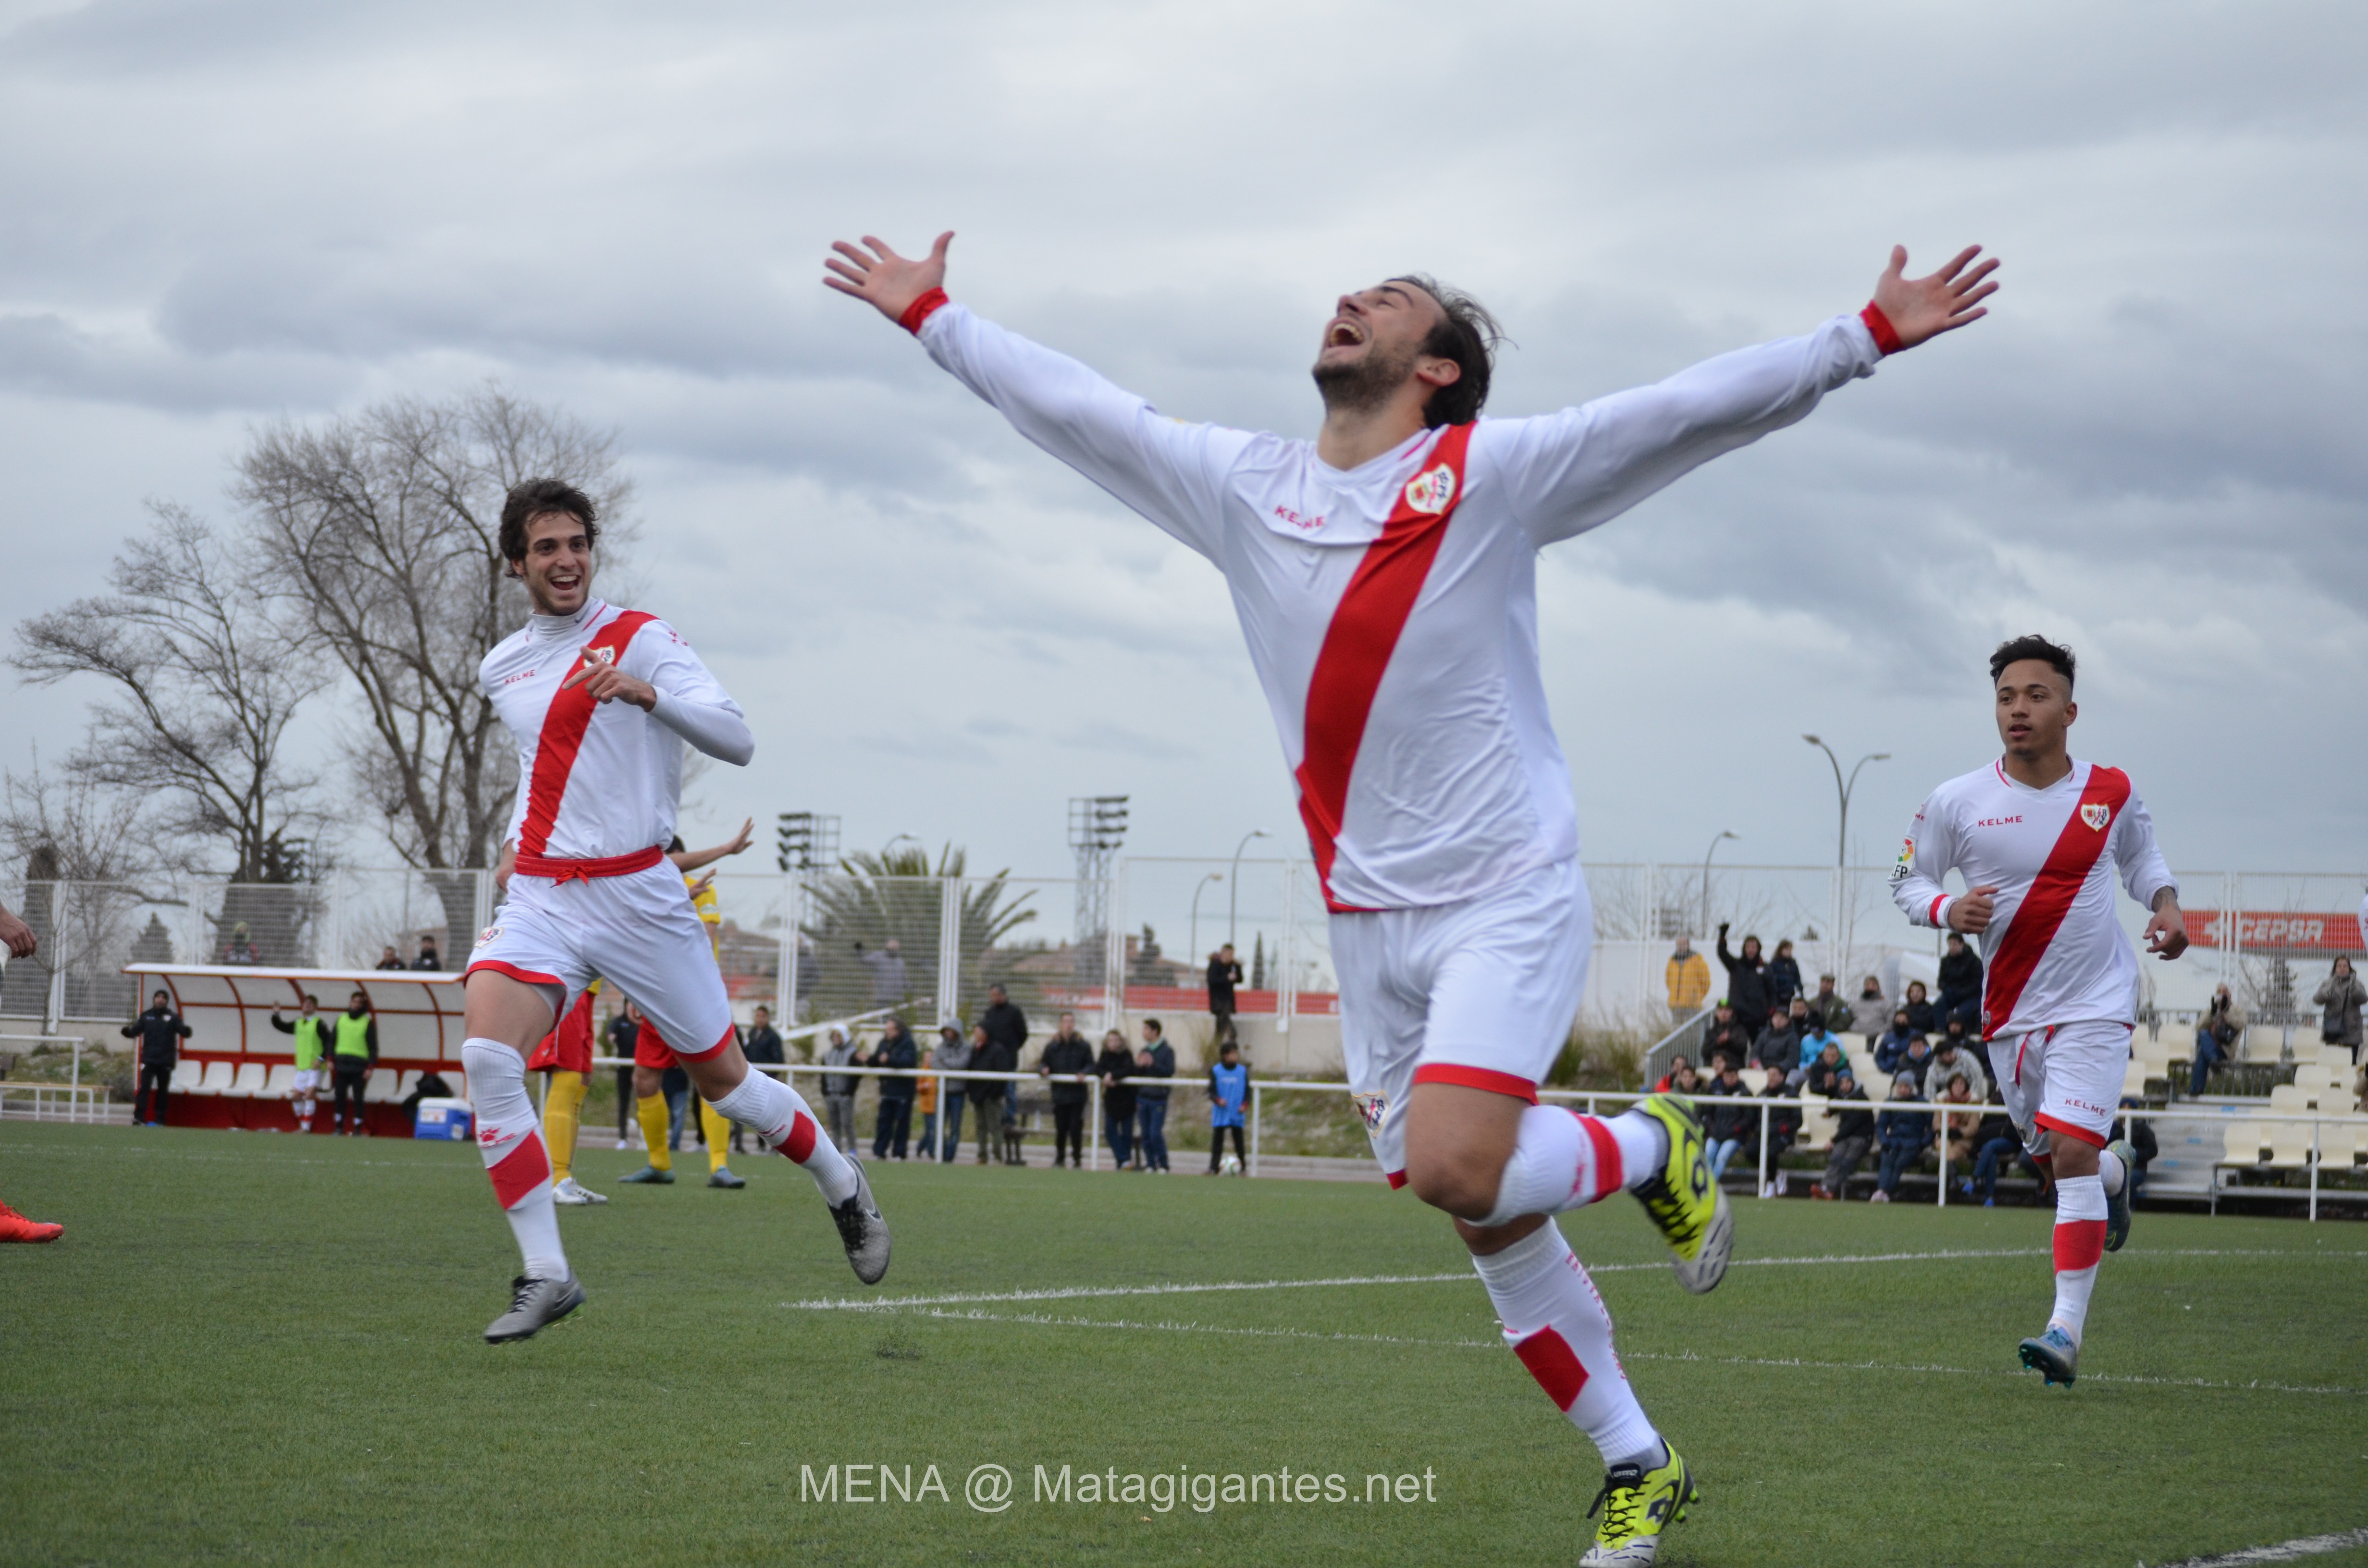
<point>2274,931</point>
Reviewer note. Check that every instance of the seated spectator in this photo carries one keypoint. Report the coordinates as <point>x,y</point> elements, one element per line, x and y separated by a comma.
<point>1921,1015</point>
<point>1676,1062</point>
<point>2216,1036</point>
<point>240,948</point>
<point>1958,1128</point>
<point>1854,1135</point>
<point>1783,1126</point>
<point>389,958</point>
<point>1829,1008</point>
<point>1824,1072</point>
<point>1779,1044</point>
<point>1814,1040</point>
<point>1953,1058</point>
<point>1683,1079</point>
<point>1870,1014</point>
<point>2000,1145</point>
<point>427,963</point>
<point>1918,1061</point>
<point>1960,981</point>
<point>2142,1143</point>
<point>1906,1135</point>
<point>1891,1047</point>
<point>1724,1122</point>
<point>1733,1046</point>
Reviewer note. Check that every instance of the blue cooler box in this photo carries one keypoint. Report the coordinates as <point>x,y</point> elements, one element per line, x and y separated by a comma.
<point>449,1120</point>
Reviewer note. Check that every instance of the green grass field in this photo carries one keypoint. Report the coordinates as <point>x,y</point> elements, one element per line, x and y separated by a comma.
<point>264,1350</point>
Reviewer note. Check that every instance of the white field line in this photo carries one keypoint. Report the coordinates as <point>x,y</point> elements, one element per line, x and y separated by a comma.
<point>2284,1552</point>
<point>256,1157</point>
<point>1233,1331</point>
<point>1081,1292</point>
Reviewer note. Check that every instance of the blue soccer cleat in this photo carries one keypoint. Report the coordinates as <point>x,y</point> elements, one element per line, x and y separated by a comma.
<point>2054,1356</point>
<point>2117,1204</point>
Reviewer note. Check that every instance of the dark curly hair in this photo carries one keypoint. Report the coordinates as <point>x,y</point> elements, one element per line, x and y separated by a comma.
<point>532,498</point>
<point>1469,336</point>
<point>2032,646</point>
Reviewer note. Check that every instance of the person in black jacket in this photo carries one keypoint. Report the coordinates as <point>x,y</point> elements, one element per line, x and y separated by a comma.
<point>893,1129</point>
<point>987,1054</point>
<point>1746,982</point>
<point>1007,1027</point>
<point>1068,1053</point>
<point>622,1031</point>
<point>1115,1067</point>
<point>758,1042</point>
<point>1784,977</point>
<point>1225,974</point>
<point>1783,1125</point>
<point>1155,1064</point>
<point>1723,1121</point>
<point>1961,982</point>
<point>160,1032</point>
<point>1854,1135</point>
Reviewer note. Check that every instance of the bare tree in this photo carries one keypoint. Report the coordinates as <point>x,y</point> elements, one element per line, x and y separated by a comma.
<point>204,687</point>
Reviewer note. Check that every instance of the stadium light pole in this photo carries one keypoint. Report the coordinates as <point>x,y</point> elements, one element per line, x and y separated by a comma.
<point>1201,887</point>
<point>1706,854</point>
<point>1841,842</point>
<point>1234,888</point>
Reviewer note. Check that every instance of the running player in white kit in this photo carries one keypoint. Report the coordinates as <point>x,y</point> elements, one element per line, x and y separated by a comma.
<point>600,702</point>
<point>1385,576</point>
<point>2040,839</point>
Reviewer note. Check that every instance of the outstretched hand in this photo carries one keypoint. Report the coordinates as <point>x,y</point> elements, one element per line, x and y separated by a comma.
<point>889,282</point>
<point>1924,307</point>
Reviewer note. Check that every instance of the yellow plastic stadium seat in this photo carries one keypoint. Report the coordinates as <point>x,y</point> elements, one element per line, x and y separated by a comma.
<point>2134,1080</point>
<point>2244,1142</point>
<point>2288,1098</point>
<point>380,1089</point>
<point>217,1079</point>
<point>2263,1042</point>
<point>279,1082</point>
<point>2312,1076</point>
<point>2336,1059</point>
<point>249,1082</point>
<point>2290,1143</point>
<point>1816,1127</point>
<point>187,1075</point>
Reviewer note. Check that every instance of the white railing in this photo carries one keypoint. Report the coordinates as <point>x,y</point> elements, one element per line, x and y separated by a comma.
<point>54,1102</point>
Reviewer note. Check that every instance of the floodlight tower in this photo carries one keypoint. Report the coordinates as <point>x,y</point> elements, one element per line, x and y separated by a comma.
<point>1097,828</point>
<point>806,841</point>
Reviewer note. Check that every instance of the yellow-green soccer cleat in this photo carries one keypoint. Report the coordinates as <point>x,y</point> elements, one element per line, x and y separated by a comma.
<point>1638,1505</point>
<point>1683,1200</point>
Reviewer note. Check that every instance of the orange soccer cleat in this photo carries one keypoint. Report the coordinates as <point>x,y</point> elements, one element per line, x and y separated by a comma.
<point>14,1227</point>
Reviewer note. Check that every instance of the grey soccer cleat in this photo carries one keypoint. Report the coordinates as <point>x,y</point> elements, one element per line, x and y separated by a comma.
<point>863,1230</point>
<point>2117,1204</point>
<point>2054,1356</point>
<point>572,1192</point>
<point>535,1304</point>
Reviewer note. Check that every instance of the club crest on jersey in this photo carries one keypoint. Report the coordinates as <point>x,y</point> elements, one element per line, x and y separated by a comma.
<point>1372,1107</point>
<point>486,936</point>
<point>599,656</point>
<point>1431,489</point>
<point>2097,814</point>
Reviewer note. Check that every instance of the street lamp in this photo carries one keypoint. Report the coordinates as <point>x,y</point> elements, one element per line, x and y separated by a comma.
<point>1233,893</point>
<point>1841,847</point>
<point>1212,877</point>
<point>1706,854</point>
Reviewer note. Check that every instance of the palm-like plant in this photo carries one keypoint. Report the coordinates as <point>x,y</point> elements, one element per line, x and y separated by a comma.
<point>898,894</point>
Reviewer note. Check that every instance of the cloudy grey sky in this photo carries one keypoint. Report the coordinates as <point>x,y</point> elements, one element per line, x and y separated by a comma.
<point>218,214</point>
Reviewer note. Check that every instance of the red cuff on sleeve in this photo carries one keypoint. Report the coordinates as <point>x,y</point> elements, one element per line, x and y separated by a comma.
<point>1935,915</point>
<point>919,311</point>
<point>1886,337</point>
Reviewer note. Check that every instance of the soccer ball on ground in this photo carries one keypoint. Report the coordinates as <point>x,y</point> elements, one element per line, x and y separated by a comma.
<point>1230,1166</point>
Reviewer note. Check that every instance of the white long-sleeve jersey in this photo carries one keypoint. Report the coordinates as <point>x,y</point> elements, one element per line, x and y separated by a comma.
<point>2055,952</point>
<point>602,779</point>
<point>1392,608</point>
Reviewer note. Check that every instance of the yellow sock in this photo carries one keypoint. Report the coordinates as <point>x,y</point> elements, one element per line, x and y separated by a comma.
<point>719,1136</point>
<point>559,1111</point>
<point>651,1110</point>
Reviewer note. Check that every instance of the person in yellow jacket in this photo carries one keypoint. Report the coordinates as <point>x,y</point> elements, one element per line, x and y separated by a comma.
<point>652,1056</point>
<point>1688,974</point>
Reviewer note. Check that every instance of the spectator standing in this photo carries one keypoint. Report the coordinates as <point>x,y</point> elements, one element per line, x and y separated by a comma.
<point>1746,982</point>
<point>1870,1014</point>
<point>925,1096</point>
<point>1007,1026</point>
<point>1229,1093</point>
<point>1954,1059</point>
<point>428,961</point>
<point>1225,974</point>
<point>389,958</point>
<point>240,948</point>
<point>1784,977</point>
<point>1827,1007</point>
<point>1155,1065</point>
<point>1067,1053</point>
<point>894,1126</point>
<point>1960,981</point>
<point>1921,1017</point>
<point>955,1052</point>
<point>160,1031</point>
<point>1783,1126</point>
<point>1906,1135</point>
<point>1687,975</point>
<point>839,1090</point>
<point>352,1055</point>
<point>622,1031</point>
<point>1115,1067</point>
<point>2339,998</point>
<point>889,983</point>
<point>2216,1037</point>
<point>1723,1119</point>
<point>312,1046</point>
<point>1854,1136</point>
<point>986,1094</point>
<point>761,1043</point>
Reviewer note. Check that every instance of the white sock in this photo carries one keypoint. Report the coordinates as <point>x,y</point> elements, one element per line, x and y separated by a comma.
<point>2080,1243</point>
<point>1563,1160</point>
<point>510,1137</point>
<point>780,1117</point>
<point>1557,1325</point>
<point>2110,1168</point>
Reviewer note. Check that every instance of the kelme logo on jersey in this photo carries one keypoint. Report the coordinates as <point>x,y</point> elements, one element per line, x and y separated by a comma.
<point>1432,490</point>
<point>2097,814</point>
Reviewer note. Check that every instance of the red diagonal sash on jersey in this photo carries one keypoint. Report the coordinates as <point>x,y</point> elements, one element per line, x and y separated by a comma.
<point>2052,891</point>
<point>1358,644</point>
<point>563,732</point>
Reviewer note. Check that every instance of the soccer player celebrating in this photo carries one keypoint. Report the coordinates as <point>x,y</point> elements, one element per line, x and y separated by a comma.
<point>1385,577</point>
<point>600,702</point>
<point>2040,840</point>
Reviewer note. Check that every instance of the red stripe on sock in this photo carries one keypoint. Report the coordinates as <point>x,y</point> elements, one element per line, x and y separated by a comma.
<point>1554,1364</point>
<point>2079,1245</point>
<point>802,1130</point>
<point>516,1173</point>
<point>1610,1173</point>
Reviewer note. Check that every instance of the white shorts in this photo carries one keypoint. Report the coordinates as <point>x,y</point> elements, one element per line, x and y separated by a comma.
<point>2066,1078</point>
<point>1481,994</point>
<point>638,930</point>
<point>308,1079</point>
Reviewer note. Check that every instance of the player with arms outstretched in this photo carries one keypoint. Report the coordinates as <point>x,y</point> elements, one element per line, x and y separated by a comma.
<point>2039,839</point>
<point>600,702</point>
<point>1385,576</point>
